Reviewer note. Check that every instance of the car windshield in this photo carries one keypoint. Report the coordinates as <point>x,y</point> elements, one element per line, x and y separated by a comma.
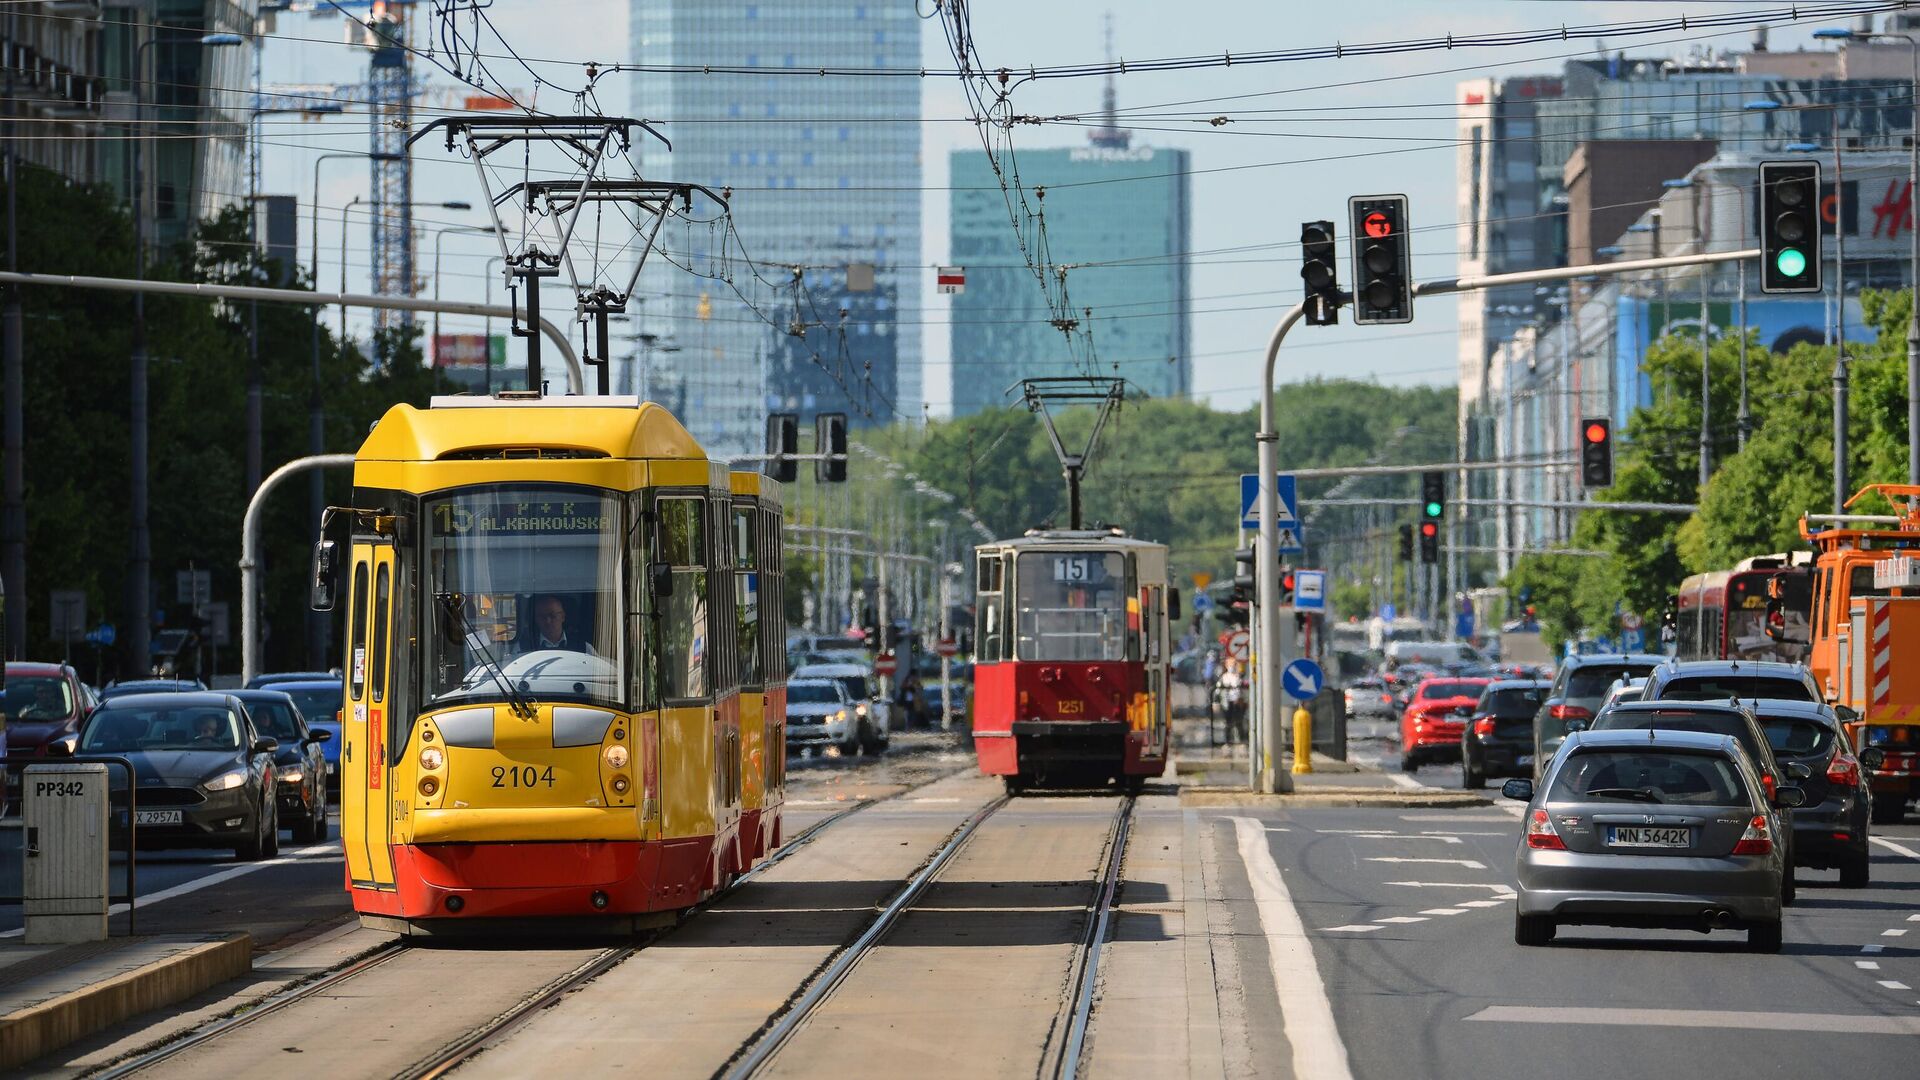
<point>1722,687</point>
<point>1073,606</point>
<point>273,718</point>
<point>1648,776</point>
<point>856,686</point>
<point>1438,690</point>
<point>811,694</point>
<point>1592,680</point>
<point>529,576</point>
<point>319,706</point>
<point>38,697</point>
<point>1795,736</point>
<point>1711,723</point>
<point>194,727</point>
<point>1514,704</point>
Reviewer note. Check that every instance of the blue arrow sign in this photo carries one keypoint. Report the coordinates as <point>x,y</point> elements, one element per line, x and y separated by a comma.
<point>1289,507</point>
<point>1302,679</point>
<point>101,635</point>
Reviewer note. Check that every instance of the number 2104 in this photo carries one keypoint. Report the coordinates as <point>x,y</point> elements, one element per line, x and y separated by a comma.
<point>524,776</point>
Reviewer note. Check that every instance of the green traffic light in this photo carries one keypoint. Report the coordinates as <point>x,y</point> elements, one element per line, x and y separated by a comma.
<point>1433,509</point>
<point>1791,262</point>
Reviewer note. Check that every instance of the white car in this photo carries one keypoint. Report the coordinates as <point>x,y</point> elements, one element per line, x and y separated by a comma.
<point>819,714</point>
<point>873,717</point>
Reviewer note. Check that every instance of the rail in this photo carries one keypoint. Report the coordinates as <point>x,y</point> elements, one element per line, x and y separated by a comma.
<point>1099,920</point>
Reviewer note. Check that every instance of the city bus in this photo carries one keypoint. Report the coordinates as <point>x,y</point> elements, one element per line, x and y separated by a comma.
<point>1724,615</point>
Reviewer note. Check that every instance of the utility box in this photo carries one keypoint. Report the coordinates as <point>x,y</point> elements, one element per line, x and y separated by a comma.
<point>64,824</point>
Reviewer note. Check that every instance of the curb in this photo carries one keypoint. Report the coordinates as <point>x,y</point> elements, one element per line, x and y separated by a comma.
<point>1334,797</point>
<point>50,1025</point>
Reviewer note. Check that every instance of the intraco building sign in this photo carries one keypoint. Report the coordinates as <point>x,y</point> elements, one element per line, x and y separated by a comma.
<point>469,351</point>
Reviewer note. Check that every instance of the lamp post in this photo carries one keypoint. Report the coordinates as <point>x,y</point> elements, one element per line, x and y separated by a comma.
<point>1913,233</point>
<point>1706,346</point>
<point>140,559</point>
<point>481,230</point>
<point>345,212</point>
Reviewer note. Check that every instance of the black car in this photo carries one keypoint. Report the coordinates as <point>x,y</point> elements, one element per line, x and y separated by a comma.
<point>1499,736</point>
<point>1830,829</point>
<point>1717,718</point>
<point>300,767</point>
<point>203,773</point>
<point>1718,680</point>
<point>1577,691</point>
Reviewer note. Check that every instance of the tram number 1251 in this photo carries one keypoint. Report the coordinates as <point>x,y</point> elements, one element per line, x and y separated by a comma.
<point>524,776</point>
<point>1079,569</point>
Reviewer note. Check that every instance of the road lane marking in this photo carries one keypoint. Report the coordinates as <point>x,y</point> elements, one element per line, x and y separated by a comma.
<point>1894,984</point>
<point>1401,919</point>
<point>1867,965</point>
<point>1305,1013</point>
<point>1456,832</point>
<point>1471,864</point>
<point>1913,918</point>
<point>1445,911</point>
<point>1893,933</point>
<point>1845,1023</point>
<point>1406,781</point>
<point>1891,846</point>
<point>1503,889</point>
<point>1405,836</point>
<point>297,855</point>
<point>1350,928</point>
<point>1873,948</point>
<point>1481,903</point>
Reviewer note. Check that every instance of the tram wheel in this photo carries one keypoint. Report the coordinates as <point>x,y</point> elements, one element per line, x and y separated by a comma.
<point>1016,784</point>
<point>1133,785</point>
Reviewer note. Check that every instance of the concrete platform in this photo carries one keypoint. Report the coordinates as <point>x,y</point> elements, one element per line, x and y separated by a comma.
<point>51,995</point>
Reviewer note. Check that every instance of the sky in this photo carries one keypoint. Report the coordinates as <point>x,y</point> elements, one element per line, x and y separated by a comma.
<point>1354,126</point>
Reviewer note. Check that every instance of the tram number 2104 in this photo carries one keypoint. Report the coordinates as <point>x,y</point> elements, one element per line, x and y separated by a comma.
<point>523,776</point>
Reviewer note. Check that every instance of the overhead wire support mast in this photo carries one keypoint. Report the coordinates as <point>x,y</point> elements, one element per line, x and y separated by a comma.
<point>1066,391</point>
<point>587,138</point>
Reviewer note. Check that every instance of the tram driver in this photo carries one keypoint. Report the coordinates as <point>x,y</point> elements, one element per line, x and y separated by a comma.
<point>550,628</point>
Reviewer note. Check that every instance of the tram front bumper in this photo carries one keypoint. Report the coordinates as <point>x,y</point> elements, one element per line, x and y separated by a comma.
<point>1042,743</point>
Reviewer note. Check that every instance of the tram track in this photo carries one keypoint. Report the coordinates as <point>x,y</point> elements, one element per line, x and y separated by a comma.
<point>1062,1057</point>
<point>453,1055</point>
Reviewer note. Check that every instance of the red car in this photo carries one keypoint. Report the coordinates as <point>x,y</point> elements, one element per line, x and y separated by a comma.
<point>1434,719</point>
<point>44,705</point>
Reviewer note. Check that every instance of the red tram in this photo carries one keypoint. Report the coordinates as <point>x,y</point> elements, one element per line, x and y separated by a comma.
<point>1071,661</point>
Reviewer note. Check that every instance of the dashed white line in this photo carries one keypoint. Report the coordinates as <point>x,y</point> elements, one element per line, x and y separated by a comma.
<point>1867,965</point>
<point>1913,918</point>
<point>1499,888</point>
<point>1402,919</point>
<point>1350,928</point>
<point>1471,864</point>
<point>1894,933</point>
<point>1445,911</point>
<point>1405,781</point>
<point>1305,1012</point>
<point>1894,984</point>
<point>1481,903</point>
<point>1873,948</point>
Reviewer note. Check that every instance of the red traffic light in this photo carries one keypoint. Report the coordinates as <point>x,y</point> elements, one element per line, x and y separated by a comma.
<point>1378,225</point>
<point>1429,528</point>
<point>1596,433</point>
<point>1286,580</point>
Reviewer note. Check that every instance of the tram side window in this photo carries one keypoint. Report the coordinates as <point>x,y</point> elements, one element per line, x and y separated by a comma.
<point>357,648</point>
<point>773,597</point>
<point>748,594</point>
<point>990,612</point>
<point>726,667</point>
<point>684,632</point>
<point>382,595</point>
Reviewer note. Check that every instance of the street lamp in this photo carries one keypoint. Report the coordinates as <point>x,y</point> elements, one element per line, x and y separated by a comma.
<point>345,212</point>
<point>1706,389</point>
<point>1837,33</point>
<point>140,562</point>
<point>481,230</point>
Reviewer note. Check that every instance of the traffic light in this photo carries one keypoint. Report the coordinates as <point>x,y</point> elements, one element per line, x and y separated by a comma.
<point>1433,496</point>
<point>1790,226</point>
<point>783,441</point>
<point>1406,543</point>
<point>830,438</point>
<point>1319,273</point>
<point>1286,585</point>
<point>1382,269</point>
<point>1243,582</point>
<point>1429,541</point>
<point>1596,452</point>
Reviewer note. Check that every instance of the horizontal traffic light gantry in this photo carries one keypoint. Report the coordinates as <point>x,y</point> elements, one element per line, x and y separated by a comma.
<point>1790,227</point>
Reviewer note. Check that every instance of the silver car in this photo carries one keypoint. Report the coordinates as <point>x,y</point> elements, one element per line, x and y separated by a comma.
<point>820,714</point>
<point>1650,829</point>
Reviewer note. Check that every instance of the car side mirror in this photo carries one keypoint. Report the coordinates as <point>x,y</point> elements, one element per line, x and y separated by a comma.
<point>265,745</point>
<point>660,579</point>
<point>323,735</point>
<point>61,747</point>
<point>1873,757</point>
<point>1790,796</point>
<point>326,575</point>
<point>1797,770</point>
<point>1847,714</point>
<point>1520,790</point>
<point>1578,724</point>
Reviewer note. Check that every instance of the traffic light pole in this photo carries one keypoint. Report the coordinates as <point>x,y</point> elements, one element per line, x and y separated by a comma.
<point>1266,570</point>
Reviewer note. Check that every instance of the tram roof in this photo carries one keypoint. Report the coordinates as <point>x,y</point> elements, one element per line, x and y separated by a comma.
<point>613,427</point>
<point>1055,538</point>
<point>755,484</point>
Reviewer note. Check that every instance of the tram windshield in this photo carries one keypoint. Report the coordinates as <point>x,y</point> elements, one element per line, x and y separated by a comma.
<point>1072,605</point>
<point>527,577</point>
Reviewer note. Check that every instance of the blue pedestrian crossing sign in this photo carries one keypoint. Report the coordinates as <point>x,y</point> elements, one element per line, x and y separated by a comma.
<point>1291,534</point>
<point>1302,679</point>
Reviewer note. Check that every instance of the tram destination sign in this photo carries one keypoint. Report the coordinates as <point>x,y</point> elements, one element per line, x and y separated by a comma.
<point>514,516</point>
<point>1087,569</point>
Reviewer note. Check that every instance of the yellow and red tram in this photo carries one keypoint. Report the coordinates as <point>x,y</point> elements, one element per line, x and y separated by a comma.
<point>553,609</point>
<point>1071,658</point>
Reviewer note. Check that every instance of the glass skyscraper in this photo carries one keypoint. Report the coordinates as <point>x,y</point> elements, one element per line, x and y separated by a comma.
<point>825,179</point>
<point>1121,216</point>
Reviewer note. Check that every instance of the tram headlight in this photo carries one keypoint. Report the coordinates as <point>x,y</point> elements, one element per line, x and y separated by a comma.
<point>617,758</point>
<point>433,759</point>
<point>429,786</point>
<point>620,785</point>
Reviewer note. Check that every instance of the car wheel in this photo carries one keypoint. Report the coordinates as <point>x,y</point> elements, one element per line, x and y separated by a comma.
<point>1854,873</point>
<point>1891,810</point>
<point>1532,930</point>
<point>870,741</point>
<point>270,846</point>
<point>1789,887</point>
<point>250,849</point>
<point>1763,937</point>
<point>1471,778</point>
<point>1409,761</point>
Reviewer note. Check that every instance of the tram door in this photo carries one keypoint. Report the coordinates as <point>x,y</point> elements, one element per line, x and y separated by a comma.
<point>365,790</point>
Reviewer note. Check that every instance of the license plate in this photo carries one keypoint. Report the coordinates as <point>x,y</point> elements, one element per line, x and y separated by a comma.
<point>156,817</point>
<point>1525,759</point>
<point>1648,836</point>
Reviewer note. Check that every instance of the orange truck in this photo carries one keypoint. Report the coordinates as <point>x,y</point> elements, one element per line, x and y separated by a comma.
<point>1865,630</point>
